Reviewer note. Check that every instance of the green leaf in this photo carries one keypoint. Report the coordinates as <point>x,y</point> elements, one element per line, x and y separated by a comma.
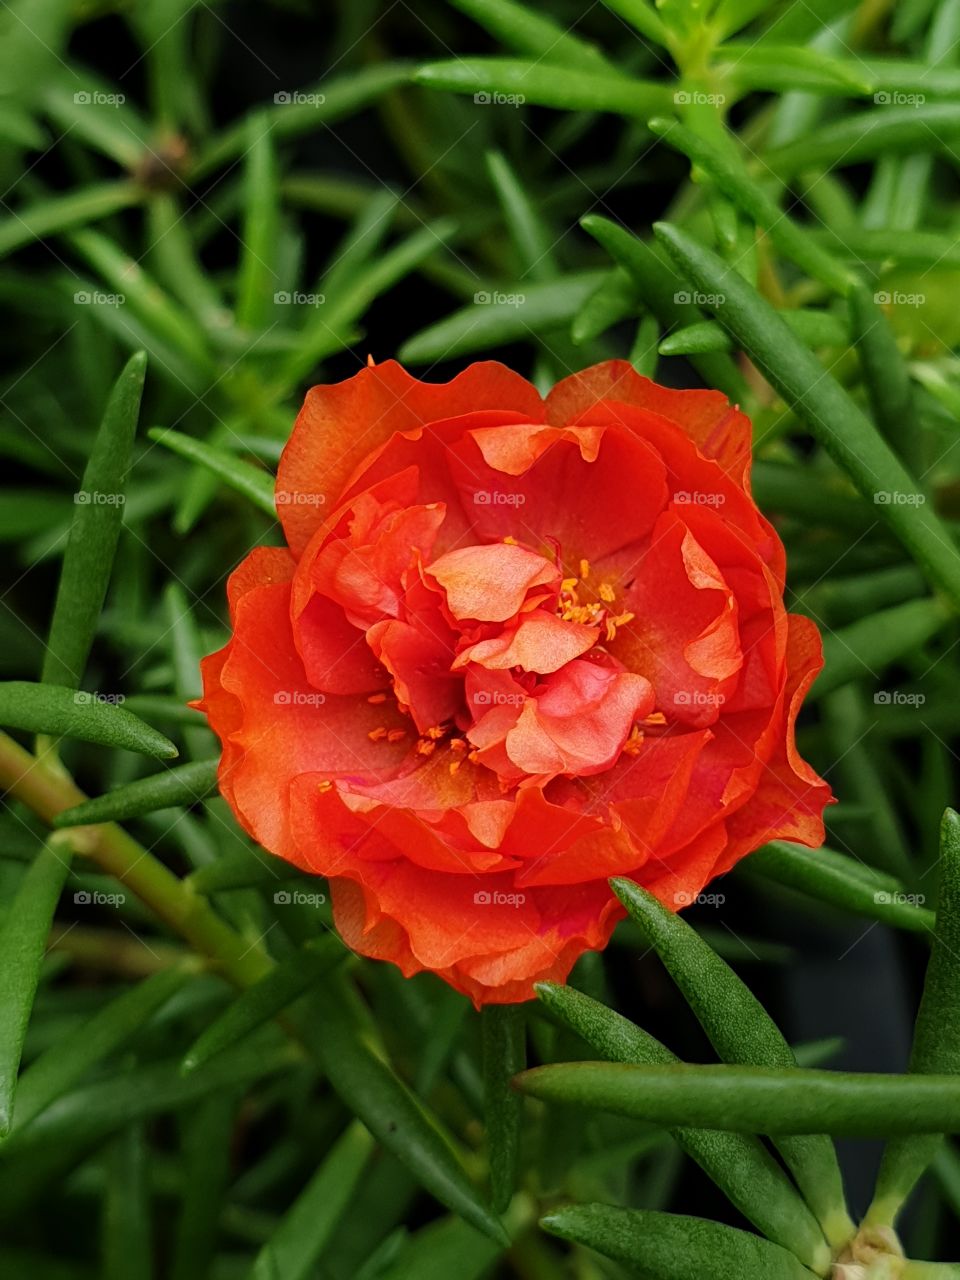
<point>887,378</point>
<point>866,135</point>
<point>69,713</point>
<point>257,280</point>
<point>524,30</point>
<point>94,532</point>
<point>741,1031</point>
<point>779,67</point>
<point>23,942</point>
<point>868,646</point>
<point>502,315</point>
<point>207,1172</point>
<point>66,1062</point>
<point>613,300</point>
<point>815,328</point>
<point>253,482</point>
<point>443,1249</point>
<point>791,239</point>
<point>833,418</point>
<point>504,1054</point>
<point>666,293</point>
<point>125,1225</point>
<point>294,1248</point>
<point>540,83</point>
<point>740,1165</point>
<point>668,1246</point>
<point>767,1100</point>
<point>284,984</point>
<point>841,881</point>
<point>371,1089</point>
<point>184,785</point>
<point>642,15</point>
<point>310,111</point>
<point>244,868</point>
<point>534,243</point>
<point>54,214</point>
<point>936,1037</point>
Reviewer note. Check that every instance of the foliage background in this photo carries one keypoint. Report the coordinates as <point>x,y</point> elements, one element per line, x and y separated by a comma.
<point>189,179</point>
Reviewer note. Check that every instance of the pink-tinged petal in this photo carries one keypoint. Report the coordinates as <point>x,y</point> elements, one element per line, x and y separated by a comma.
<point>419,662</point>
<point>493,583</point>
<point>514,449</point>
<point>340,424</point>
<point>540,642</point>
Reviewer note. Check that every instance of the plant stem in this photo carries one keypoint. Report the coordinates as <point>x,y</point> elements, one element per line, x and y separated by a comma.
<point>48,793</point>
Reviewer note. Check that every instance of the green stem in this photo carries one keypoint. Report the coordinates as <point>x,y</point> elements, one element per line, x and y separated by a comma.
<point>48,793</point>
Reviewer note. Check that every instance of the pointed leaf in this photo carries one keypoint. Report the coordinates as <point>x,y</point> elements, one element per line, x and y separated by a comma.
<point>284,984</point>
<point>71,713</point>
<point>372,1090</point>
<point>23,942</point>
<point>524,30</point>
<point>67,1061</point>
<point>840,880</point>
<point>780,1102</point>
<point>936,1037</point>
<point>58,213</point>
<point>98,515</point>
<point>253,482</point>
<point>740,1030</point>
<point>668,1246</point>
<point>294,1248</point>
<point>517,82</point>
<point>504,1054</point>
<point>740,1165</point>
<point>184,785</point>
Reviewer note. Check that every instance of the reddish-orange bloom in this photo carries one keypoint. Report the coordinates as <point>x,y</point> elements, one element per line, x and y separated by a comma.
<point>513,647</point>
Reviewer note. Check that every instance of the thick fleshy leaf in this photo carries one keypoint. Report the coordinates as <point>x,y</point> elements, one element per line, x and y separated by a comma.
<point>740,1030</point>
<point>541,84</point>
<point>740,1165</point>
<point>936,1037</point>
<point>765,1100</point>
<point>667,1246</point>
<point>251,481</point>
<point>187,784</point>
<point>504,1054</point>
<point>94,531</point>
<point>71,713</point>
<point>23,941</point>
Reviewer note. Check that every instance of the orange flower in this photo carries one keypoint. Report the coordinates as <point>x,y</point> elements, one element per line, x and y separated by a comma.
<point>513,647</point>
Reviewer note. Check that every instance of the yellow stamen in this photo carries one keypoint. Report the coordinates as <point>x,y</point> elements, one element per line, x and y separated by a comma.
<point>584,569</point>
<point>396,734</point>
<point>607,593</point>
<point>378,734</point>
<point>454,765</point>
<point>436,732</point>
<point>510,540</point>
<point>655,717</point>
<point>377,698</point>
<point>325,785</point>
<point>425,747</point>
